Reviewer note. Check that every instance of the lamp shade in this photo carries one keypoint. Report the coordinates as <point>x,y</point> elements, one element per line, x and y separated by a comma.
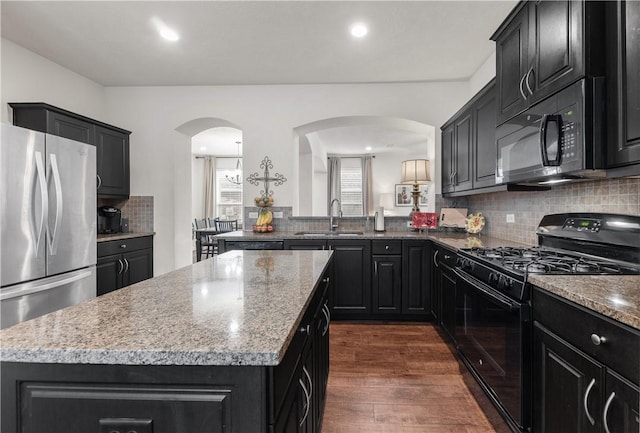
<point>415,171</point>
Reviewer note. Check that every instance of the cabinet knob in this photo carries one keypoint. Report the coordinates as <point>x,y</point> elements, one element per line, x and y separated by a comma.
<point>305,330</point>
<point>123,246</point>
<point>386,247</point>
<point>597,340</point>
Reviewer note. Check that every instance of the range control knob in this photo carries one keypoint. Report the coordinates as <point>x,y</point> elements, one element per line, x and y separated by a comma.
<point>504,283</point>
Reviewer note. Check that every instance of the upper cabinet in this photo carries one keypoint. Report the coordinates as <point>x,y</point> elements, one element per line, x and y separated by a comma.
<point>112,143</point>
<point>542,47</point>
<point>469,144</point>
<point>623,83</point>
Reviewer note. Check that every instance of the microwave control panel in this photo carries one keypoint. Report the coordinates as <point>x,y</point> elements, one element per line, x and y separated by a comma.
<point>568,139</point>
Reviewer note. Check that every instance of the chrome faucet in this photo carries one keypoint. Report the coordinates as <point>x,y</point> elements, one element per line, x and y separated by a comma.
<point>334,225</point>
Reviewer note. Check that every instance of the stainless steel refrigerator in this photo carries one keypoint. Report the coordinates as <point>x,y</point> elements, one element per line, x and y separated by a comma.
<point>48,220</point>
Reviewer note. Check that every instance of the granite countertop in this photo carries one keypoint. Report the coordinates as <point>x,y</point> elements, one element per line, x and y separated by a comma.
<point>615,296</point>
<point>238,308</point>
<point>120,236</point>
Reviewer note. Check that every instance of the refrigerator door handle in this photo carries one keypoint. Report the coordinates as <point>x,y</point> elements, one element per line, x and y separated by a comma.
<point>53,243</point>
<point>21,291</point>
<point>42,181</point>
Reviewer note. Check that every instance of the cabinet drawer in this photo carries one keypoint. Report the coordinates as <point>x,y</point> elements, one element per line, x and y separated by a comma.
<point>386,247</point>
<point>621,349</point>
<point>124,245</point>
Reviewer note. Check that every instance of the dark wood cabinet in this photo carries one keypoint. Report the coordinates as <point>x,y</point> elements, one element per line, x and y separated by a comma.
<point>123,262</point>
<point>512,64</point>
<point>416,278</point>
<point>580,385</point>
<point>469,145</point>
<point>544,46</point>
<point>484,140</point>
<point>445,285</point>
<point>112,143</point>
<point>386,284</point>
<point>351,296</point>
<point>623,83</point>
<point>567,387</point>
<point>112,157</point>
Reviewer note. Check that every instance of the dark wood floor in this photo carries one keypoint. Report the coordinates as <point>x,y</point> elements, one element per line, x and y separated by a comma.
<point>398,378</point>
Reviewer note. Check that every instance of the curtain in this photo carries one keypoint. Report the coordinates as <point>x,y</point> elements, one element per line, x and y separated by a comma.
<point>333,175</point>
<point>367,186</point>
<point>209,187</point>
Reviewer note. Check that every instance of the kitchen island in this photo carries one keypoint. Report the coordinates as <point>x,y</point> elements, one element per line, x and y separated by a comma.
<point>238,343</point>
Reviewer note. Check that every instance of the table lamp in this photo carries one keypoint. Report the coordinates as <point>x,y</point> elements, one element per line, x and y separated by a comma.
<point>415,172</point>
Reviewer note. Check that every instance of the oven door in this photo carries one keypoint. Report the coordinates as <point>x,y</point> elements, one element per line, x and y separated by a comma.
<point>493,338</point>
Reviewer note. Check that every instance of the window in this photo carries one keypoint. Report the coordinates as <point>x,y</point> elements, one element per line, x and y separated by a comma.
<point>228,194</point>
<point>351,195</point>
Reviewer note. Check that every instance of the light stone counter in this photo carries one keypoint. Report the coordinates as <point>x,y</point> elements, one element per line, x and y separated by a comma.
<point>238,308</point>
<point>617,297</point>
<point>121,236</point>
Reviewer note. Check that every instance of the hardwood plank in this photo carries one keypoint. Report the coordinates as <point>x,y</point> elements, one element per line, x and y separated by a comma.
<point>400,378</point>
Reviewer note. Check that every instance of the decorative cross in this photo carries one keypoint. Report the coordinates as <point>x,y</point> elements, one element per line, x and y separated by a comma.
<point>278,178</point>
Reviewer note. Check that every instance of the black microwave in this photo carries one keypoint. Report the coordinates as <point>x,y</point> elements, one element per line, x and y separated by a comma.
<point>559,139</point>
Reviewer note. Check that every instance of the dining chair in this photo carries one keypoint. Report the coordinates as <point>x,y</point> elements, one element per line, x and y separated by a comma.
<point>208,243</point>
<point>223,226</point>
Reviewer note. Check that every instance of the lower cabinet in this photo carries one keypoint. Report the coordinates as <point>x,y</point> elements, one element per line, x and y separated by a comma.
<point>351,295</point>
<point>585,370</point>
<point>124,262</point>
<point>445,290</point>
<point>416,278</point>
<point>386,280</point>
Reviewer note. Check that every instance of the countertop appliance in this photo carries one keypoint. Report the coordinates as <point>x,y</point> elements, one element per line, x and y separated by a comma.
<point>559,139</point>
<point>47,205</point>
<point>493,327</point>
<point>109,220</point>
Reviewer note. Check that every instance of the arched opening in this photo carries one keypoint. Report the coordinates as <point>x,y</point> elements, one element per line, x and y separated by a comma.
<point>215,173</point>
<point>390,140</point>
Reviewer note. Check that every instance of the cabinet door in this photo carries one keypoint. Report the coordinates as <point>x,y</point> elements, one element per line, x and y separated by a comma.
<point>567,387</point>
<point>448,301</point>
<point>512,65</point>
<point>138,266</point>
<point>447,159</point>
<point>112,154</point>
<point>321,359</point>
<point>622,405</point>
<point>70,127</point>
<point>352,278</point>
<point>485,152</point>
<point>462,173</point>
<point>109,273</point>
<point>416,278</point>
<point>386,284</point>
<point>623,83</point>
<point>558,57</point>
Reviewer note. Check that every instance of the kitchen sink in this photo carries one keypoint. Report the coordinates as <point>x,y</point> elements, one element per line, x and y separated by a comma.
<point>338,233</point>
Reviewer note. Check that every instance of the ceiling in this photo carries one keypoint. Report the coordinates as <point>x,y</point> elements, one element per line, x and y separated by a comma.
<point>114,43</point>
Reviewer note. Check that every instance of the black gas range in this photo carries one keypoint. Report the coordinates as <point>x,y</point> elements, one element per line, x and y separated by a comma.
<point>493,322</point>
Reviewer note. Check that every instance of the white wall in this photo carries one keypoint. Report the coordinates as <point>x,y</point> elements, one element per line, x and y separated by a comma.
<point>161,156</point>
<point>483,75</point>
<point>197,176</point>
<point>28,77</point>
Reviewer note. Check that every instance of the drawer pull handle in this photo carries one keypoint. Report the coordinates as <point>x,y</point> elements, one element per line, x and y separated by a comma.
<point>307,403</point>
<point>597,340</point>
<point>435,258</point>
<point>586,399</point>
<point>606,412</point>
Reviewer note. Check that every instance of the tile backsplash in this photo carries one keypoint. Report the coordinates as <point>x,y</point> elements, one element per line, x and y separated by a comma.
<point>137,209</point>
<point>608,196</point>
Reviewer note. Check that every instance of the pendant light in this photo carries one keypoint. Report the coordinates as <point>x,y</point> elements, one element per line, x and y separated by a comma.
<point>237,180</point>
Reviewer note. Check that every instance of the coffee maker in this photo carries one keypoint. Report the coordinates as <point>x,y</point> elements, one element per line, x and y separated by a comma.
<point>109,220</point>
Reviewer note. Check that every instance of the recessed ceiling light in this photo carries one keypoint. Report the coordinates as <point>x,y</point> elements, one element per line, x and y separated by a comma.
<point>359,30</point>
<point>368,148</point>
<point>164,30</point>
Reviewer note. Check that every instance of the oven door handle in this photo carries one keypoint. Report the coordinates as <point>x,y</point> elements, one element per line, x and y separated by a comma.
<point>487,290</point>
